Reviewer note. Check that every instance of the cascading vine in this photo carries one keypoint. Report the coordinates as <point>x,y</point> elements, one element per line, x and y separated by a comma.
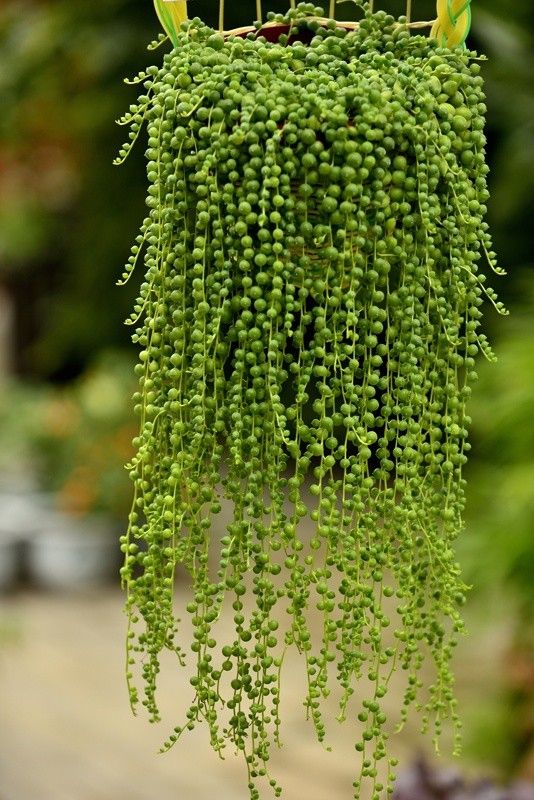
<point>308,327</point>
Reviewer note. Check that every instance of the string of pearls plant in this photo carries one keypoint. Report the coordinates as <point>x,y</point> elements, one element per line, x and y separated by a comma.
<point>308,326</point>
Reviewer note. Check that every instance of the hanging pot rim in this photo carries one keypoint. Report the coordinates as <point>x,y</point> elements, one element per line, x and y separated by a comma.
<point>273,30</point>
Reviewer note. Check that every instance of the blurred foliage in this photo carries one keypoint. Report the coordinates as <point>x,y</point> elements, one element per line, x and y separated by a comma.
<point>75,438</point>
<point>500,543</point>
<point>21,407</point>
<point>497,549</point>
<point>66,215</point>
<point>86,439</point>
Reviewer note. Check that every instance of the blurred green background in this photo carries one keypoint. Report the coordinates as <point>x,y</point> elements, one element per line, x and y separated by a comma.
<point>67,218</point>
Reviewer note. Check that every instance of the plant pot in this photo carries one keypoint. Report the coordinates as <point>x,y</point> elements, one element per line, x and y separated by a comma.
<point>23,513</point>
<point>272,31</point>
<point>70,553</point>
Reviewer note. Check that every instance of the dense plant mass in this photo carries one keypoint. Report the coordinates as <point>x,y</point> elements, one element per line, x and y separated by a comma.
<point>309,324</point>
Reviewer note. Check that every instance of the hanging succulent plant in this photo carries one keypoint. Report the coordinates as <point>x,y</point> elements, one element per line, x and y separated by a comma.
<point>308,327</point>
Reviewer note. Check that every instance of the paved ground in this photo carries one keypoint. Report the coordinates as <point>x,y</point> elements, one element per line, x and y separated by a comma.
<point>66,732</point>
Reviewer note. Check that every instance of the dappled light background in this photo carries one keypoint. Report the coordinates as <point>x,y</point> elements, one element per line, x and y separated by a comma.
<point>67,219</point>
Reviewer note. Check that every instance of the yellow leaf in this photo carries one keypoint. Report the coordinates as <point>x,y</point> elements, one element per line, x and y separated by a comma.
<point>171,14</point>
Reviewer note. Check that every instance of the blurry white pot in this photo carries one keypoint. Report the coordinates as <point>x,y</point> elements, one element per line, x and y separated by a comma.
<point>23,513</point>
<point>22,516</point>
<point>70,553</point>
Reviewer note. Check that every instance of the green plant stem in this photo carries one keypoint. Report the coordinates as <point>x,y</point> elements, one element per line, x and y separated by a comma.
<point>259,13</point>
<point>221,15</point>
<point>408,11</point>
<point>332,12</point>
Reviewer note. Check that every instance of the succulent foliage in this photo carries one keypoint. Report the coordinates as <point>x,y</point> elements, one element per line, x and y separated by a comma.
<point>308,327</point>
